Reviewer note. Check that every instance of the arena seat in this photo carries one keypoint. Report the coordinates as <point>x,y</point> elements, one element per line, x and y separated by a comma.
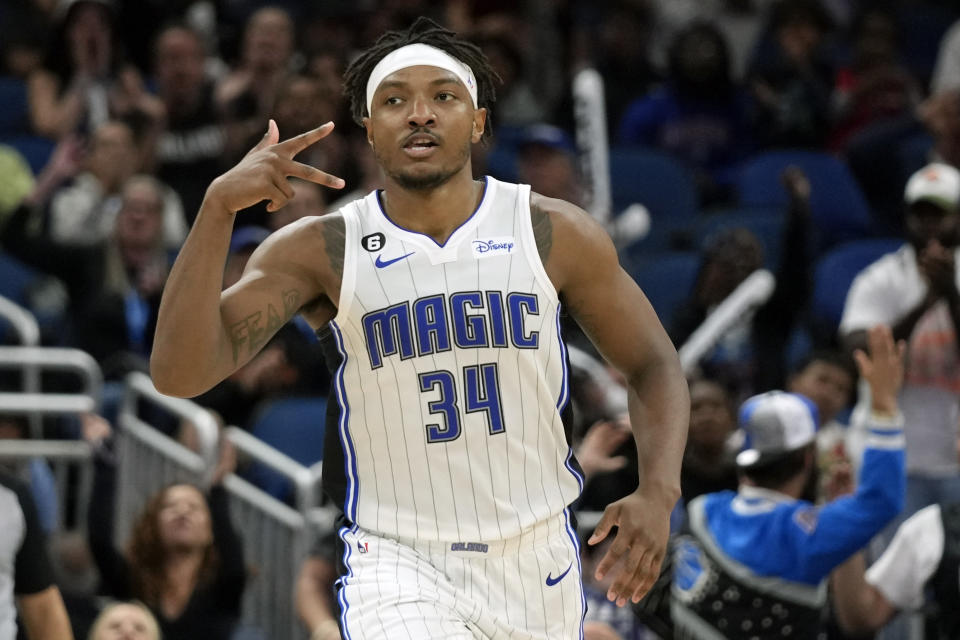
<point>667,279</point>
<point>663,185</point>
<point>295,427</point>
<point>838,208</point>
<point>834,273</point>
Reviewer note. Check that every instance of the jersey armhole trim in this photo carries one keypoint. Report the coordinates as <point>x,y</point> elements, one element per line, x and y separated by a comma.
<point>348,281</point>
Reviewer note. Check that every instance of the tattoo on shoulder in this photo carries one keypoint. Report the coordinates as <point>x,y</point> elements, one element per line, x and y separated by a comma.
<point>251,333</point>
<point>542,231</point>
<point>334,237</point>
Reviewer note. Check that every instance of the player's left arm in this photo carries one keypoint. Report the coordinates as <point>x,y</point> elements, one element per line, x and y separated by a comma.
<point>612,310</point>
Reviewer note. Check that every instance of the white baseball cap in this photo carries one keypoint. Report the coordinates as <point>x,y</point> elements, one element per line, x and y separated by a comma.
<point>937,183</point>
<point>773,424</point>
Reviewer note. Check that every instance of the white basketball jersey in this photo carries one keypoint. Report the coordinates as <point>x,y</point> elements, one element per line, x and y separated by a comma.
<point>453,376</point>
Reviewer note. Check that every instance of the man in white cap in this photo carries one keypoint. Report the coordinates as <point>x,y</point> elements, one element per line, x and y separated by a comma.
<point>755,561</point>
<point>450,454</point>
<point>914,291</point>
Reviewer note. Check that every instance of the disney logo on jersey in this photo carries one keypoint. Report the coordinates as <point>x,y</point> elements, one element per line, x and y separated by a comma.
<point>490,247</point>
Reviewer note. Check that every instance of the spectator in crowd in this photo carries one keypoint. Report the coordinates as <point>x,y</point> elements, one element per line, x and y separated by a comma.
<point>914,290</point>
<point>191,144</point>
<point>131,258</point>
<point>946,72</point>
<point>728,258</point>
<point>26,579</point>
<point>117,323</point>
<point>35,472</point>
<point>84,81</point>
<point>22,35</point>
<point>517,102</point>
<point>740,21</point>
<point>184,559</point>
<point>875,85</point>
<point>82,211</point>
<point>827,378</point>
<point>308,200</point>
<point>922,558</point>
<point>790,77</point>
<point>314,589</point>
<point>770,527</point>
<point>302,102</point>
<point>83,205</point>
<point>125,621</point>
<point>547,161</point>
<point>940,114</point>
<point>708,465</point>
<point>700,115</point>
<point>76,576</point>
<point>247,95</point>
<point>614,39</point>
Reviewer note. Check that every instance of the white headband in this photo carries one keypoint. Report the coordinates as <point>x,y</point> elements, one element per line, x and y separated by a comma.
<point>414,55</point>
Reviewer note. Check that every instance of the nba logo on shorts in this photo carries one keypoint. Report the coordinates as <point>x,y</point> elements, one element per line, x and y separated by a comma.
<point>363,547</point>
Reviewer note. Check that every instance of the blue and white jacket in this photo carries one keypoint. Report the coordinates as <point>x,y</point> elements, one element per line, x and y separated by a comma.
<point>755,563</point>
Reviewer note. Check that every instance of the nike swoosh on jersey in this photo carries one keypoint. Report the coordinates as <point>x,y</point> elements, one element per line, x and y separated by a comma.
<point>381,263</point>
<point>552,581</point>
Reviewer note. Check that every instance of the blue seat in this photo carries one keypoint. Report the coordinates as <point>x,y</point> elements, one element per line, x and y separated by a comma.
<point>834,273</point>
<point>659,182</point>
<point>667,279</point>
<point>295,427</point>
<point>35,149</point>
<point>765,223</point>
<point>14,114</point>
<point>16,279</point>
<point>838,208</point>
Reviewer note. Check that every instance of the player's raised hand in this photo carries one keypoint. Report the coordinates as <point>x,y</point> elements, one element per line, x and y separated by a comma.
<point>263,173</point>
<point>643,529</point>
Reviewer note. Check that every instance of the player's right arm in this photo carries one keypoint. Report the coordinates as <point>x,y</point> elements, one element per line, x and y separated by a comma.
<point>204,335</point>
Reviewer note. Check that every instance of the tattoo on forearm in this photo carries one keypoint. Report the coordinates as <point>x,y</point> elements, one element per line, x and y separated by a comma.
<point>251,333</point>
<point>334,237</point>
<point>542,231</point>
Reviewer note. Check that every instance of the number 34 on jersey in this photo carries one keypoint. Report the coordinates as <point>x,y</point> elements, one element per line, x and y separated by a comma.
<point>441,323</point>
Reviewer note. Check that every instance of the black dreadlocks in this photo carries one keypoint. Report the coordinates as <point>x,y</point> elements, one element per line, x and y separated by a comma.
<point>422,31</point>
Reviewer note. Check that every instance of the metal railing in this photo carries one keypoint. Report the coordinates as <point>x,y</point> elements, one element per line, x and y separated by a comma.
<point>25,326</point>
<point>37,402</point>
<point>73,493</point>
<point>304,479</point>
<point>148,460</point>
<point>70,461</point>
<point>276,537</point>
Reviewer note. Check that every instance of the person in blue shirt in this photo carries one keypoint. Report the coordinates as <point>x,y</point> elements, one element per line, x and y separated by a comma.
<point>754,563</point>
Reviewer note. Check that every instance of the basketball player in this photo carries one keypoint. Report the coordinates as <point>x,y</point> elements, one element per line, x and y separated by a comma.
<point>451,456</point>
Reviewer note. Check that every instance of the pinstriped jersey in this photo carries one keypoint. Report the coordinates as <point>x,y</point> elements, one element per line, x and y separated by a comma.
<point>452,380</point>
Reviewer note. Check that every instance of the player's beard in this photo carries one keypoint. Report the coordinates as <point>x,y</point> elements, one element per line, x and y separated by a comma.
<point>427,181</point>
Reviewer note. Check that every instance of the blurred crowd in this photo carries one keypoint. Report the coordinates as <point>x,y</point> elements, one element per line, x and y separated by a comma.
<point>115,115</point>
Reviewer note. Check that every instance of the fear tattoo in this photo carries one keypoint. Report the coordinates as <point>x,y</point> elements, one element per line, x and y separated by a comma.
<point>251,333</point>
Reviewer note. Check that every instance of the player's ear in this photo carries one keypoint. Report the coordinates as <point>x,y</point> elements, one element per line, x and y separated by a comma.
<point>479,124</point>
<point>369,129</point>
